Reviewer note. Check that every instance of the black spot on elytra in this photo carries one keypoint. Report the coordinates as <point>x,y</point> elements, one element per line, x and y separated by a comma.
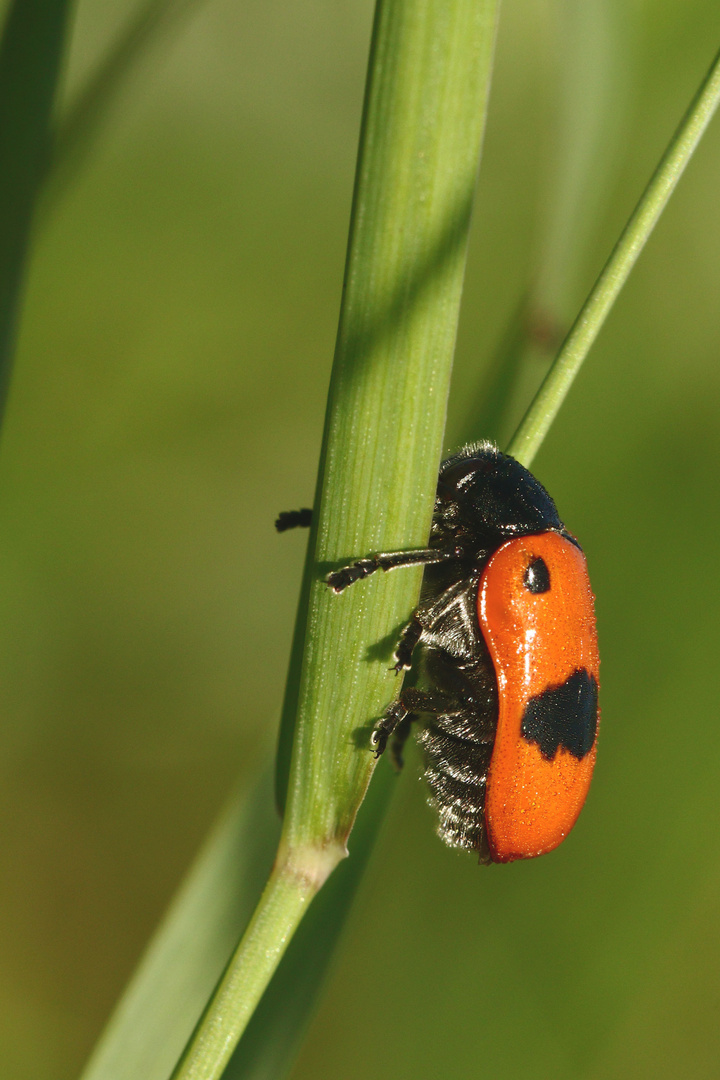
<point>536,578</point>
<point>565,716</point>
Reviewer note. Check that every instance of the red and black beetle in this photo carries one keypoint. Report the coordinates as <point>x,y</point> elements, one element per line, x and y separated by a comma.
<point>506,630</point>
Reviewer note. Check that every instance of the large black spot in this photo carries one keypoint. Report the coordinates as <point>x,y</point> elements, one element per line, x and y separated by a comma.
<point>536,578</point>
<point>564,715</point>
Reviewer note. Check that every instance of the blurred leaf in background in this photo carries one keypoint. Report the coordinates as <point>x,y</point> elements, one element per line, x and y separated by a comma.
<point>168,401</point>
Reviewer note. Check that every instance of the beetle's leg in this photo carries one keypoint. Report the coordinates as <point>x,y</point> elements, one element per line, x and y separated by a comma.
<point>395,715</point>
<point>410,701</point>
<point>456,605</point>
<point>406,645</point>
<point>387,560</point>
<point>294,519</point>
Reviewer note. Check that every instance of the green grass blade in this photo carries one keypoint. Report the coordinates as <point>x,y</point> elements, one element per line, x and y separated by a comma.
<point>422,129</point>
<point>31,54</point>
<point>157,1012</point>
<point>546,404</point>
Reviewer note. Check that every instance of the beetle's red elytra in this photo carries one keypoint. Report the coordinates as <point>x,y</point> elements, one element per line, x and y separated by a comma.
<point>543,646</point>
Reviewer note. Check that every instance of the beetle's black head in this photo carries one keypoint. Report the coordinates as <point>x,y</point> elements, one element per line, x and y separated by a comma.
<point>487,497</point>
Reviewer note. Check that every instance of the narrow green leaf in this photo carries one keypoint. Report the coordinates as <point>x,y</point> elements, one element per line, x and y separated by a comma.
<point>30,59</point>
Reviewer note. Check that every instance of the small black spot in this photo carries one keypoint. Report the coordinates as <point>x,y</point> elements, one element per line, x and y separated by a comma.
<point>537,576</point>
<point>565,716</point>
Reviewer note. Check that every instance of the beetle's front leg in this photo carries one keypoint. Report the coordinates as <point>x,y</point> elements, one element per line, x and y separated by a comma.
<point>388,560</point>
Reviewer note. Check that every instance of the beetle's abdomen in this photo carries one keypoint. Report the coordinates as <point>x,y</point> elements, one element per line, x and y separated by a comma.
<point>458,746</point>
<point>456,772</point>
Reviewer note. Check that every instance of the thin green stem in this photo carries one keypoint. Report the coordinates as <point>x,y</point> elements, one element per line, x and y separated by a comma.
<point>291,887</point>
<point>422,129</point>
<point>537,421</point>
<point>273,1036</point>
<point>423,122</point>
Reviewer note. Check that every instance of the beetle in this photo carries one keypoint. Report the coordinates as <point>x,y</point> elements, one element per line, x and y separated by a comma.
<point>506,632</point>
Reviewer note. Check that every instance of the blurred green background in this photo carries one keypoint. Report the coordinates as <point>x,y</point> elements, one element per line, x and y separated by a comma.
<point>168,399</point>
